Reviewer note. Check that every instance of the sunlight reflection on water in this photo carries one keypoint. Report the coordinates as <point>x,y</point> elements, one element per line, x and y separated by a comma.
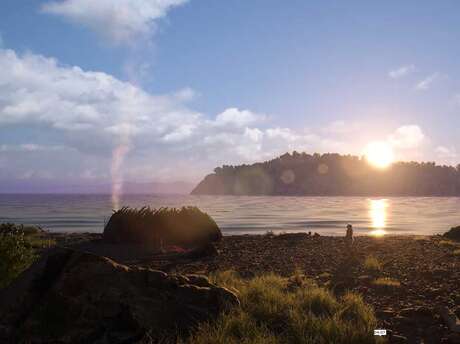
<point>378,215</point>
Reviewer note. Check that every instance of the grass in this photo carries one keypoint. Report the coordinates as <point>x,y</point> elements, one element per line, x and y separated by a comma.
<point>32,235</point>
<point>39,242</point>
<point>386,283</point>
<point>273,312</point>
<point>16,255</point>
<point>449,244</point>
<point>184,226</point>
<point>372,265</point>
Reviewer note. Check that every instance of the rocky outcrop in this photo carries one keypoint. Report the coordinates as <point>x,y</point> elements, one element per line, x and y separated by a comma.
<point>74,297</point>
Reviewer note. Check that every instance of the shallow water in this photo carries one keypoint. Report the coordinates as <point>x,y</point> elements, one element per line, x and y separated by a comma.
<point>241,214</point>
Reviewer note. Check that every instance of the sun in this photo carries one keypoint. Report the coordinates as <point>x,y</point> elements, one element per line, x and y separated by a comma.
<point>379,154</point>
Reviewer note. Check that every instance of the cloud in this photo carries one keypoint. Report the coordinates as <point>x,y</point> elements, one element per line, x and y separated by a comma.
<point>407,137</point>
<point>235,117</point>
<point>81,104</point>
<point>120,21</point>
<point>76,119</point>
<point>447,155</point>
<point>89,114</point>
<point>401,71</point>
<point>427,82</point>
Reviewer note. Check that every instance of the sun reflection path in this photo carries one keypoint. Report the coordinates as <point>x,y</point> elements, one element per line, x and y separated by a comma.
<point>378,214</point>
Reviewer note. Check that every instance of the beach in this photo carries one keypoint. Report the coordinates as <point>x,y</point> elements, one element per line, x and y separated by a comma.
<point>414,279</point>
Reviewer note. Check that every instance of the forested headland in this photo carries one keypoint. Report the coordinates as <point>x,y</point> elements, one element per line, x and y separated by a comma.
<point>331,175</point>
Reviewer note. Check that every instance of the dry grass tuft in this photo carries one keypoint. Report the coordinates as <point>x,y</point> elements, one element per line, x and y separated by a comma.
<point>386,282</point>
<point>372,265</point>
<point>273,312</point>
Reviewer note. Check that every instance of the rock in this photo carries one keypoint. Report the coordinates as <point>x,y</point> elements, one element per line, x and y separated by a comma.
<point>418,314</point>
<point>456,299</point>
<point>365,279</point>
<point>75,297</point>
<point>453,338</point>
<point>450,319</point>
<point>207,250</point>
<point>385,314</point>
<point>398,339</point>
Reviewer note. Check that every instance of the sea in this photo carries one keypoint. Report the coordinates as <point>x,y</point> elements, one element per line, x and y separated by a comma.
<point>247,214</point>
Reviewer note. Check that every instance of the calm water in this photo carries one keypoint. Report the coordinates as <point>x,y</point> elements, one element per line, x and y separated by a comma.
<point>238,215</point>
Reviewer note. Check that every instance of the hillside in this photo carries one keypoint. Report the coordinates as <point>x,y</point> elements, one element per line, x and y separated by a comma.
<point>331,175</point>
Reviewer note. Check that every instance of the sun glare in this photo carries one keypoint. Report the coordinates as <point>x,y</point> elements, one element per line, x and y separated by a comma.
<point>379,154</point>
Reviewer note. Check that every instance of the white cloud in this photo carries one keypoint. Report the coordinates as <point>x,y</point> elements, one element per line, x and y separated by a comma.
<point>401,71</point>
<point>121,21</point>
<point>75,119</point>
<point>90,114</point>
<point>407,137</point>
<point>446,153</point>
<point>238,118</point>
<point>85,107</point>
<point>427,82</point>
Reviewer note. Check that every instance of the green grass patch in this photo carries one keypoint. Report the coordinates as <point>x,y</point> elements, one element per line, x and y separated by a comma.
<point>274,312</point>
<point>16,255</point>
<point>372,265</point>
<point>39,242</point>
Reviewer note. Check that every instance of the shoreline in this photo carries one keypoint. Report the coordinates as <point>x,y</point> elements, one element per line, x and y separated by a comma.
<point>419,274</point>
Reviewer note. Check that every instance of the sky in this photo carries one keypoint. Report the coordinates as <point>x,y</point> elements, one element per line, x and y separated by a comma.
<point>166,90</point>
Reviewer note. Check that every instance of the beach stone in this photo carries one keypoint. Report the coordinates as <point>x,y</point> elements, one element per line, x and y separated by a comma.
<point>450,319</point>
<point>453,338</point>
<point>398,339</point>
<point>76,297</point>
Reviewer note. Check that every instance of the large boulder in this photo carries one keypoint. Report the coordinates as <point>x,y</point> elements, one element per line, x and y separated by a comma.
<point>75,297</point>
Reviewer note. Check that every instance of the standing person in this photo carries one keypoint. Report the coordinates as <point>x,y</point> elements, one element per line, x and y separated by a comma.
<point>349,236</point>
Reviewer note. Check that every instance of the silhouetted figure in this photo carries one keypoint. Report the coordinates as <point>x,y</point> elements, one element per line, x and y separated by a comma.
<point>349,236</point>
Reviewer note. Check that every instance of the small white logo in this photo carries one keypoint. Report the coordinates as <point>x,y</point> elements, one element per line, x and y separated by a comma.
<point>380,332</point>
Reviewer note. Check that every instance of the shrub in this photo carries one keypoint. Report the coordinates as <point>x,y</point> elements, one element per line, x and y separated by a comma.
<point>187,226</point>
<point>7,228</point>
<point>453,233</point>
<point>372,264</point>
<point>16,254</point>
<point>271,312</point>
